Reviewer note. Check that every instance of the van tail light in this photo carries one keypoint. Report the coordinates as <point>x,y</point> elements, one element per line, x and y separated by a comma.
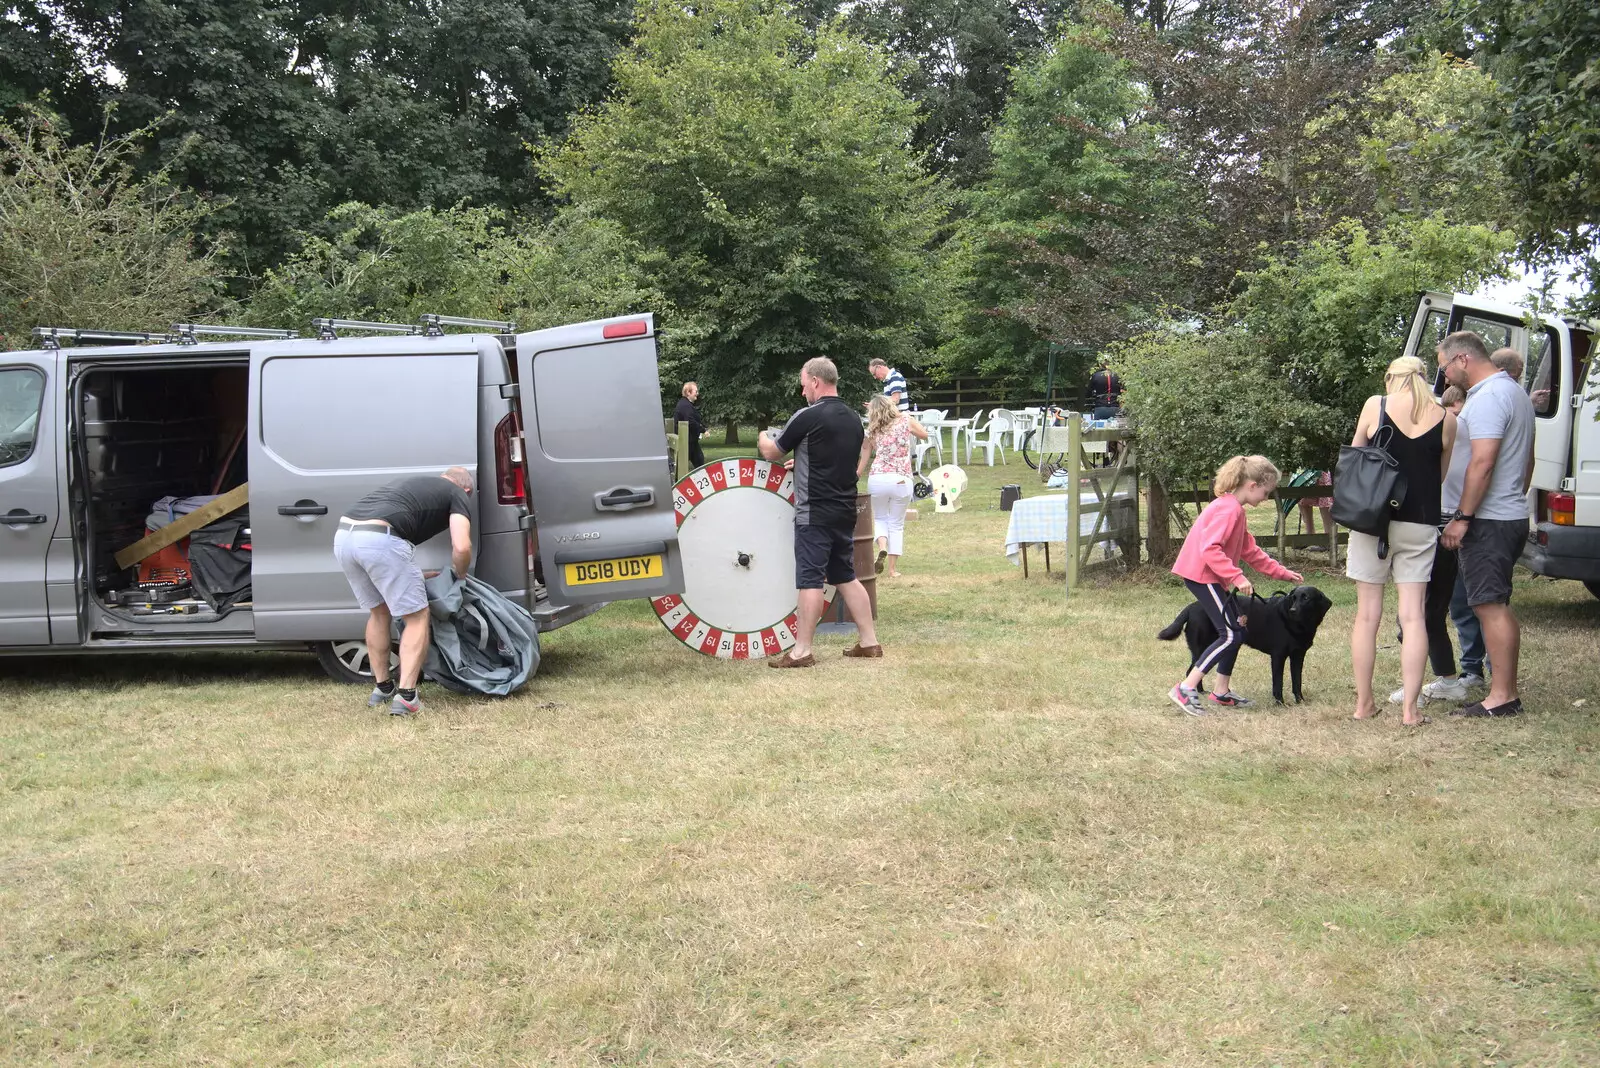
<point>1561,507</point>
<point>634,328</point>
<point>510,481</point>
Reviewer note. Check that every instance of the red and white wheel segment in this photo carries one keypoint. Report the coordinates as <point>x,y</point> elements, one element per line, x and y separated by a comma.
<point>736,536</point>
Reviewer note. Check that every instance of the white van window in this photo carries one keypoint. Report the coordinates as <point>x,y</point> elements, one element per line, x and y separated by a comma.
<point>373,413</point>
<point>1495,335</point>
<point>1539,375</point>
<point>599,402</point>
<point>21,390</point>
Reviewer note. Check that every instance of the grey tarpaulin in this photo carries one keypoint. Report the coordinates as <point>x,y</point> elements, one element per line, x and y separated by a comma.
<point>480,641</point>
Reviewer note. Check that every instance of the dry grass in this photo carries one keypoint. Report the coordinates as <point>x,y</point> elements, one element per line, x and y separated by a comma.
<point>997,845</point>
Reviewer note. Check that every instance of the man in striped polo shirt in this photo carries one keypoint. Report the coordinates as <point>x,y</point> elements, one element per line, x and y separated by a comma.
<point>894,384</point>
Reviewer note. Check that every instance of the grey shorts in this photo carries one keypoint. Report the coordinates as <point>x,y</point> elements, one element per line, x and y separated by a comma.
<point>1489,551</point>
<point>381,569</point>
<point>1410,559</point>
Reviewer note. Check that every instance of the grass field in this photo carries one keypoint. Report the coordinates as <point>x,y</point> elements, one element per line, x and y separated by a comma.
<point>1000,844</point>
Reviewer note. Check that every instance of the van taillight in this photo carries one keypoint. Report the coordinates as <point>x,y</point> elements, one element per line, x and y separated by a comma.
<point>1561,507</point>
<point>636,328</point>
<point>510,483</point>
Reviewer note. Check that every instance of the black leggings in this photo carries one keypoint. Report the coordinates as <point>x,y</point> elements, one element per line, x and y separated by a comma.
<point>1436,612</point>
<point>1224,614</point>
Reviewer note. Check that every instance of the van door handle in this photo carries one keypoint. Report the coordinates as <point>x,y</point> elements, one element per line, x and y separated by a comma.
<point>624,498</point>
<point>17,517</point>
<point>303,508</point>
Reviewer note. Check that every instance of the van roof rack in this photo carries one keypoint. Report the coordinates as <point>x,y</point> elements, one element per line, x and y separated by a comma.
<point>328,329</point>
<point>187,333</point>
<point>50,337</point>
<point>433,325</point>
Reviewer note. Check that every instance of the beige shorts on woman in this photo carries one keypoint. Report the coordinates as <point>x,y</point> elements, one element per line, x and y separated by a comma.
<point>1410,558</point>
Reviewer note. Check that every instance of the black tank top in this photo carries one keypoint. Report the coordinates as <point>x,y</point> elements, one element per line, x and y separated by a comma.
<point>1419,459</point>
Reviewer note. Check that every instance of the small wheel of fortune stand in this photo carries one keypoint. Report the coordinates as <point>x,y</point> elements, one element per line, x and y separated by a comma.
<point>948,482</point>
<point>736,534</point>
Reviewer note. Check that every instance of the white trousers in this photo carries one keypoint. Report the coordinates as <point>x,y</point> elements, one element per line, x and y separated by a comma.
<point>891,496</point>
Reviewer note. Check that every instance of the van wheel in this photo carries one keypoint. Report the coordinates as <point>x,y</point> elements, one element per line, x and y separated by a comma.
<point>349,662</point>
<point>1593,587</point>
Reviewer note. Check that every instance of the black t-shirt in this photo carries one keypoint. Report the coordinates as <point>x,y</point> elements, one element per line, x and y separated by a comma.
<point>825,438</point>
<point>686,413</point>
<point>416,508</point>
<point>1105,389</point>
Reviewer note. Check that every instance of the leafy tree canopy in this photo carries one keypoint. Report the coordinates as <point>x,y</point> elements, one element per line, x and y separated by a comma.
<point>85,242</point>
<point>1061,242</point>
<point>389,266</point>
<point>1286,371</point>
<point>768,173</point>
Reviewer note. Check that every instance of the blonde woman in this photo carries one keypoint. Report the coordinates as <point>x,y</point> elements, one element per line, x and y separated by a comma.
<point>1419,433</point>
<point>887,449</point>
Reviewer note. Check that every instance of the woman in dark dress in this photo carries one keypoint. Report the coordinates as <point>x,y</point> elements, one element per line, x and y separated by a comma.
<point>688,413</point>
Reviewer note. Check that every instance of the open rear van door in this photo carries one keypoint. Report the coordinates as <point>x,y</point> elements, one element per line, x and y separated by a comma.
<point>1546,347</point>
<point>595,453</point>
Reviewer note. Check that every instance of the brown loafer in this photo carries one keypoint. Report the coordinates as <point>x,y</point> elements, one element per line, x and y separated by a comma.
<point>872,652</point>
<point>789,660</point>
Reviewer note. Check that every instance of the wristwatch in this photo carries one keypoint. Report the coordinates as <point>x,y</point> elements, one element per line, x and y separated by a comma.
<point>1459,514</point>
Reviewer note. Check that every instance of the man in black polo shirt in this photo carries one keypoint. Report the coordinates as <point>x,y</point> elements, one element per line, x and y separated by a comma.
<point>825,437</point>
<point>376,545</point>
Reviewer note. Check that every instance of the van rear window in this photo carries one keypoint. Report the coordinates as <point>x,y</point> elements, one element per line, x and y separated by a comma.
<point>371,412</point>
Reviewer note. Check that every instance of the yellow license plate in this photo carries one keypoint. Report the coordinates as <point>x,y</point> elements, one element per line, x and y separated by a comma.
<point>622,569</point>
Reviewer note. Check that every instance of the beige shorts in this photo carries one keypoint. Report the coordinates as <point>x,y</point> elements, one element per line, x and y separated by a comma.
<point>1410,556</point>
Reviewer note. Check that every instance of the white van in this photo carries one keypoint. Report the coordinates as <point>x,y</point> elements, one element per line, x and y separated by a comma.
<point>1558,364</point>
<point>562,428</point>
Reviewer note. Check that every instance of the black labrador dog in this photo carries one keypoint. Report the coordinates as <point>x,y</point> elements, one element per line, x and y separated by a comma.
<point>1283,626</point>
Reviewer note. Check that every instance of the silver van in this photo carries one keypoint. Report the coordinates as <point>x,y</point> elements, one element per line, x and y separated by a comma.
<point>562,428</point>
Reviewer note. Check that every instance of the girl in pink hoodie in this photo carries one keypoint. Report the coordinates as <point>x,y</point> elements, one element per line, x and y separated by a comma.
<point>1209,566</point>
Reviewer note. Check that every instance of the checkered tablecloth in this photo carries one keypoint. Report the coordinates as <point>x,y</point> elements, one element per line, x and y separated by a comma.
<point>1041,519</point>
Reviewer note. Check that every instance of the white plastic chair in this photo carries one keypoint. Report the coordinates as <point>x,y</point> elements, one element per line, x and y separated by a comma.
<point>995,431</point>
<point>930,421</point>
<point>1021,423</point>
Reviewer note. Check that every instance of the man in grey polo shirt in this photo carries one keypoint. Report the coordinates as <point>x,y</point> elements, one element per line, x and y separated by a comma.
<point>1491,524</point>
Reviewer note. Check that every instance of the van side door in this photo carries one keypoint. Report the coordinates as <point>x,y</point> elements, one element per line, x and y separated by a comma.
<point>29,503</point>
<point>595,451</point>
<point>331,421</point>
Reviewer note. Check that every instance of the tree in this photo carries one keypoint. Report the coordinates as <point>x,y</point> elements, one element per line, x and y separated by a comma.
<point>1333,315</point>
<point>86,243</point>
<point>955,58</point>
<point>284,110</point>
<point>1059,244</point>
<point>1416,150</point>
<point>1234,85</point>
<point>384,265</point>
<point>766,174</point>
<point>1285,369</point>
<point>1545,56</point>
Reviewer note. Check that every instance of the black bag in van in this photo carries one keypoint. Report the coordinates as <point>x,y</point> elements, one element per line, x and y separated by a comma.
<point>1368,485</point>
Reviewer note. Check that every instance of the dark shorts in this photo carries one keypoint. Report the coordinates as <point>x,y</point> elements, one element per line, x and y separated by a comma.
<point>1488,553</point>
<point>823,553</point>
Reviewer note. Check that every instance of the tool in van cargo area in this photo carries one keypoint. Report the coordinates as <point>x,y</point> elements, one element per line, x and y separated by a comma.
<point>181,528</point>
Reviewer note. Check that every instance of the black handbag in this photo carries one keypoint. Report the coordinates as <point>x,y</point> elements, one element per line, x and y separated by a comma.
<point>1368,485</point>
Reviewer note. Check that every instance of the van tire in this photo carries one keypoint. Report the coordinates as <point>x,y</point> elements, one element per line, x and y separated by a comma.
<point>1593,587</point>
<point>347,661</point>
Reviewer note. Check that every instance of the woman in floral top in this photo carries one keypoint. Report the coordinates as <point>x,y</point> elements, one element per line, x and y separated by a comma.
<point>888,449</point>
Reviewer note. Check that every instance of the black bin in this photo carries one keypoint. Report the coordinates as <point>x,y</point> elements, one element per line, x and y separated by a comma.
<point>1009,495</point>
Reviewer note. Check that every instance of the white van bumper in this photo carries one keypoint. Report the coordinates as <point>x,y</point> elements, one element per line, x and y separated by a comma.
<point>1564,552</point>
